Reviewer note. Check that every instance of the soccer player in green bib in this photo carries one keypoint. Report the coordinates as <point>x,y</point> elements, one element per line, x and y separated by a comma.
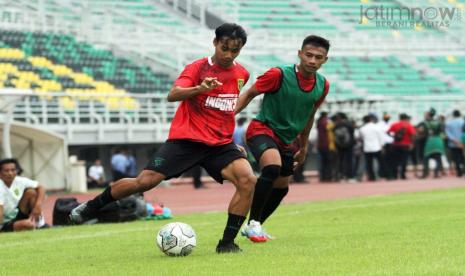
<point>278,136</point>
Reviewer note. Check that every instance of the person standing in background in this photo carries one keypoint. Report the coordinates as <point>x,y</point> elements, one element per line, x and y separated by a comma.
<point>403,133</point>
<point>434,147</point>
<point>119,165</point>
<point>453,131</point>
<point>323,147</point>
<point>372,138</point>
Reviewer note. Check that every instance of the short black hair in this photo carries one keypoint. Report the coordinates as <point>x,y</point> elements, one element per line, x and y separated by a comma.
<point>456,113</point>
<point>241,121</point>
<point>8,161</point>
<point>317,41</point>
<point>403,116</point>
<point>232,31</point>
<point>367,118</point>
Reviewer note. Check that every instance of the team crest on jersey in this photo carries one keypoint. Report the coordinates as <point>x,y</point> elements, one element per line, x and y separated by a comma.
<point>17,192</point>
<point>240,84</point>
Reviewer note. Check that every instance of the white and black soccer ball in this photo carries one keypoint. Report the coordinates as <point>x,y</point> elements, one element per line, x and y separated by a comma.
<point>176,239</point>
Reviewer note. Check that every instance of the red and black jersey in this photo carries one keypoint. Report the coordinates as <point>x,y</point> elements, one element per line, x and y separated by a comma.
<point>208,117</point>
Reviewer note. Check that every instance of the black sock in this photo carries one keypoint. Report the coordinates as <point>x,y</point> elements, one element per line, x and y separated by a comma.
<point>101,200</point>
<point>232,227</point>
<point>273,202</point>
<point>263,190</point>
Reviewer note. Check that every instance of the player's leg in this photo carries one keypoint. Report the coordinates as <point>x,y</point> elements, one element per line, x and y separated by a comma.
<point>266,152</point>
<point>280,187</point>
<point>25,206</point>
<point>171,160</point>
<point>280,190</point>
<point>124,187</point>
<point>240,173</point>
<point>228,162</point>
<point>28,201</point>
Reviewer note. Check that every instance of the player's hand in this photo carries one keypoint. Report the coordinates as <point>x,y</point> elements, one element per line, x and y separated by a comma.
<point>209,84</point>
<point>35,213</point>
<point>299,157</point>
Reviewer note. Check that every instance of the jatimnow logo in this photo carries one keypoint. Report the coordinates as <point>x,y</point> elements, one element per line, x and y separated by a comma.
<point>398,17</point>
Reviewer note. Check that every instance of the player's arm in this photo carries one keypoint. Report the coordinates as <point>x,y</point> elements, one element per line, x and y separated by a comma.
<point>270,81</point>
<point>37,209</point>
<point>300,156</point>
<point>1,214</point>
<point>246,97</point>
<point>178,93</point>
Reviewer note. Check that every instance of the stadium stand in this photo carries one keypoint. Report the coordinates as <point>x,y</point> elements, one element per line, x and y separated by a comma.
<point>450,64</point>
<point>387,76</point>
<point>138,46</point>
<point>37,51</point>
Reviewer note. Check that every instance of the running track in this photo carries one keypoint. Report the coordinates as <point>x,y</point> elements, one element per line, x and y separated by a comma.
<point>183,198</point>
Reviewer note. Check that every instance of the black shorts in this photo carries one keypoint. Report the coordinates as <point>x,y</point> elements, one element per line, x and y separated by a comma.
<point>8,227</point>
<point>177,156</point>
<point>260,143</point>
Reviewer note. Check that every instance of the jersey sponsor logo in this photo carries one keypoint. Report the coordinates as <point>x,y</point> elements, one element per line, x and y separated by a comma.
<point>221,103</point>
<point>240,84</point>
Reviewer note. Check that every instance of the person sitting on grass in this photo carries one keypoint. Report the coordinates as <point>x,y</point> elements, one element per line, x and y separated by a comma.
<point>20,200</point>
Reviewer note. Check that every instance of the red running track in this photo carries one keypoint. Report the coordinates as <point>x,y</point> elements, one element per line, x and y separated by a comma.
<point>183,199</point>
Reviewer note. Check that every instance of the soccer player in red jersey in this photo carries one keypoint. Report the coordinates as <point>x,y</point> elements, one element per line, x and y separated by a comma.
<point>278,136</point>
<point>200,134</point>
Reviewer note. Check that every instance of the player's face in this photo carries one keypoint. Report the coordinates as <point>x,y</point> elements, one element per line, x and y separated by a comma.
<point>8,172</point>
<point>226,50</point>
<point>311,58</point>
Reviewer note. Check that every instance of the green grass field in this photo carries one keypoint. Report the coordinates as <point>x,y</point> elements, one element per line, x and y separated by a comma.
<point>419,233</point>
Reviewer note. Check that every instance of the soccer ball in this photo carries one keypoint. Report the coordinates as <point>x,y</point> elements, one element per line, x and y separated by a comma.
<point>176,239</point>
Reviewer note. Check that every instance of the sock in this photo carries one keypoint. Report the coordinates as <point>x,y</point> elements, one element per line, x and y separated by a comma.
<point>263,190</point>
<point>232,227</point>
<point>101,200</point>
<point>273,202</point>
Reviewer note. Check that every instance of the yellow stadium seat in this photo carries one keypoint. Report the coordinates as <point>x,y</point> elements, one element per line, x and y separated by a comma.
<point>8,53</point>
<point>451,59</point>
<point>67,103</point>
<point>130,104</point>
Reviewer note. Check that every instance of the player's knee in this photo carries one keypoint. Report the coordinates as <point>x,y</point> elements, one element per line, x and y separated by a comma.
<point>247,183</point>
<point>30,193</point>
<point>147,181</point>
<point>144,183</point>
<point>271,172</point>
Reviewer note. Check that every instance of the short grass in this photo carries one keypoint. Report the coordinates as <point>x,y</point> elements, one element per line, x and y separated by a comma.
<point>407,234</point>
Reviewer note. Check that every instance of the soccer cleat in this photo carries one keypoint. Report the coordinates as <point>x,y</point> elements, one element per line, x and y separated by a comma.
<point>81,214</point>
<point>227,247</point>
<point>268,236</point>
<point>254,232</point>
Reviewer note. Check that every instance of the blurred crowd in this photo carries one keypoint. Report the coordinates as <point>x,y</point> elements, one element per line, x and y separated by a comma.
<point>378,147</point>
